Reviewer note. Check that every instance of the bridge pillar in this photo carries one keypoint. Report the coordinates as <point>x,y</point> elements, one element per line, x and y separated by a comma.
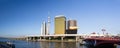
<point>44,37</point>
<point>62,38</point>
<point>76,38</point>
<point>40,38</point>
<point>95,42</point>
<point>49,38</point>
<point>29,38</point>
<point>34,39</point>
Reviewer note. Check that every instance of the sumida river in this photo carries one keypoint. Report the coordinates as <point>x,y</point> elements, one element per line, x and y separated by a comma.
<point>30,44</point>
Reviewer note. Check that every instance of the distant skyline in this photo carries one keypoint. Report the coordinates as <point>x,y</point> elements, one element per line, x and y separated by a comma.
<point>24,17</point>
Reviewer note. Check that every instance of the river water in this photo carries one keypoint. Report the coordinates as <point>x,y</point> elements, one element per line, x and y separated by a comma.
<point>30,44</point>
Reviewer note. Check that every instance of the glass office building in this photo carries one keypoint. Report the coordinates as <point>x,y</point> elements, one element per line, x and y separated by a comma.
<point>60,24</point>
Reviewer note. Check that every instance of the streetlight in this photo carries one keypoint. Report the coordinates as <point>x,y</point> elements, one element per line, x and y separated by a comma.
<point>103,30</point>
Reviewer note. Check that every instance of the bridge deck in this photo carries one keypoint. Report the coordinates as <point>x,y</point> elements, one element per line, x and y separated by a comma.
<point>104,38</point>
<point>55,35</point>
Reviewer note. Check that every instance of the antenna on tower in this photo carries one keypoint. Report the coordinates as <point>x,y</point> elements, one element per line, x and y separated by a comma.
<point>48,17</point>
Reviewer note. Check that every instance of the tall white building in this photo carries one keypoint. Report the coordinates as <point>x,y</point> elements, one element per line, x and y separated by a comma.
<point>48,27</point>
<point>43,28</point>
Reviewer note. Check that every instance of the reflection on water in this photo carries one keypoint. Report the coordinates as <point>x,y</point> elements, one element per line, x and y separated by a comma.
<point>29,44</point>
<point>60,45</point>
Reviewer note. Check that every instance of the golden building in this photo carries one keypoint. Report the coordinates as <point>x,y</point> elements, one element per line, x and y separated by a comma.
<point>60,24</point>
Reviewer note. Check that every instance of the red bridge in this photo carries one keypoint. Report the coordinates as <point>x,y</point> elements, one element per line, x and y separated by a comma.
<point>97,41</point>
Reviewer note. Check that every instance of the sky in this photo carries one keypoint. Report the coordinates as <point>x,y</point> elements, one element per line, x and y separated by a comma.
<point>24,17</point>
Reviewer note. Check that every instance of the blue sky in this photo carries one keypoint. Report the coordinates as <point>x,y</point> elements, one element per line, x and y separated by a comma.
<point>24,17</point>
